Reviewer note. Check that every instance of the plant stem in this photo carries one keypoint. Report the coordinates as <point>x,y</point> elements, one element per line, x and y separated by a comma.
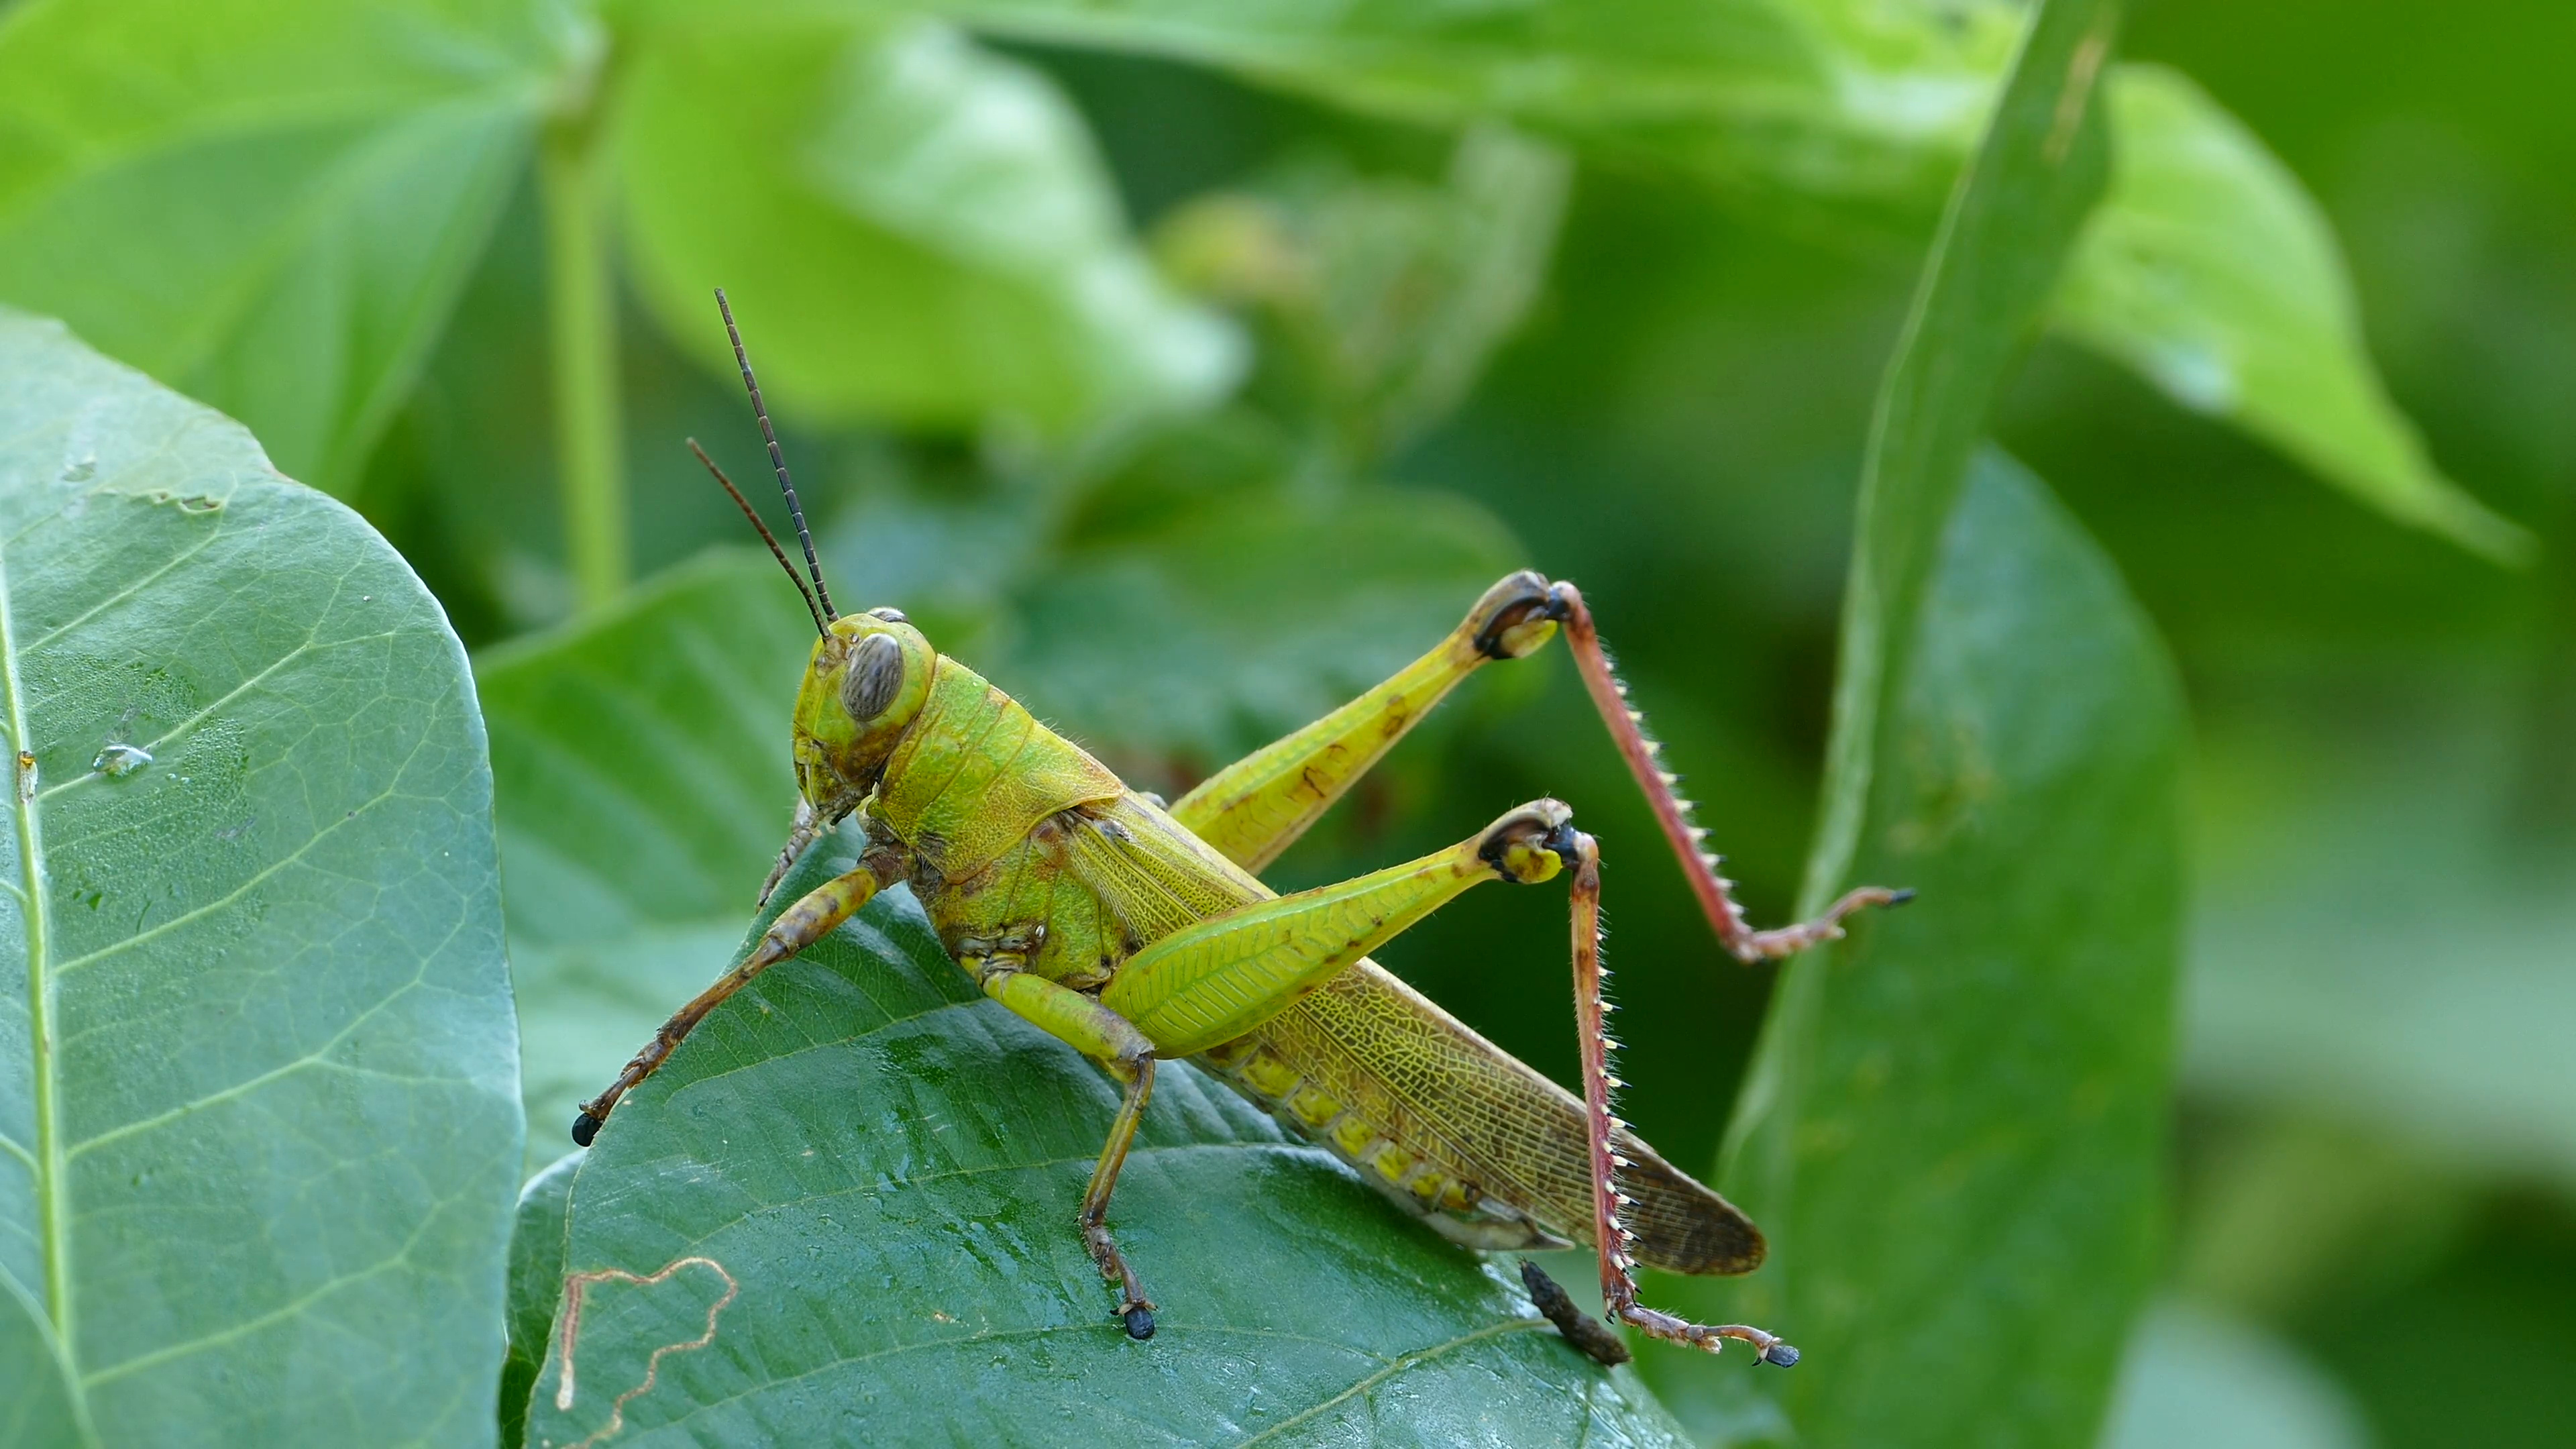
<point>581,324</point>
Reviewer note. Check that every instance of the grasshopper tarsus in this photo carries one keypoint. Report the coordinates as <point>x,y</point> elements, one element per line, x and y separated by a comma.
<point>1140,1323</point>
<point>1579,1328</point>
<point>1780,1355</point>
<point>584,1128</point>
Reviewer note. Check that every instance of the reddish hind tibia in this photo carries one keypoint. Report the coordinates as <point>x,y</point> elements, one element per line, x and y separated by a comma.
<point>1610,1232</point>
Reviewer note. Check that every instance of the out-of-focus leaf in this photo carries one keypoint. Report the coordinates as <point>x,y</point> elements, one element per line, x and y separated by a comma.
<point>270,206</point>
<point>2214,275</point>
<point>640,770</point>
<point>2197,1378</point>
<point>910,226</point>
<point>1391,292</point>
<point>536,1287</point>
<point>1789,101</point>
<point>1233,625</point>
<point>257,1136</point>
<point>2374,938</point>
<point>2209,271</point>
<point>1181,603</point>
<point>882,1169</point>
<point>1955,1126</point>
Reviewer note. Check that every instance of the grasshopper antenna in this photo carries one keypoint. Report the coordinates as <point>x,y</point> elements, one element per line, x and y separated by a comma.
<point>777,461</point>
<point>766,537</point>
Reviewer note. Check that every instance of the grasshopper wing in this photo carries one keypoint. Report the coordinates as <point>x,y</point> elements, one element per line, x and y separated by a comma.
<point>1458,1129</point>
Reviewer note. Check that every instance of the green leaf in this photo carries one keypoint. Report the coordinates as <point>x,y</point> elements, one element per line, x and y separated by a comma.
<point>257,1133</point>
<point>2210,272</point>
<point>883,1169</point>
<point>269,206</point>
<point>1231,625</point>
<point>1955,1126</point>
<point>2199,1378</point>
<point>910,227</point>
<point>1789,102</point>
<point>1389,293</point>
<point>642,786</point>
<point>536,1287</point>
<point>1183,602</point>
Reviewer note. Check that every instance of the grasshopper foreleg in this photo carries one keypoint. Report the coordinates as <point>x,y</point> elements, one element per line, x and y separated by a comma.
<point>1610,1231</point>
<point>1114,1042</point>
<point>810,919</point>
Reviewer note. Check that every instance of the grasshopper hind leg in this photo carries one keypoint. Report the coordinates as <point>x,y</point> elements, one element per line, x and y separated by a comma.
<point>1611,1234</point>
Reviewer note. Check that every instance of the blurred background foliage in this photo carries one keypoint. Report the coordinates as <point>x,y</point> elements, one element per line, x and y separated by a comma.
<point>1187,369</point>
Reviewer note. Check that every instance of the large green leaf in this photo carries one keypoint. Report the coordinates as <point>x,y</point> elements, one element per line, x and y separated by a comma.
<point>1957,1124</point>
<point>257,1133</point>
<point>2210,272</point>
<point>911,226</point>
<point>1954,1130</point>
<point>883,1168</point>
<point>268,205</point>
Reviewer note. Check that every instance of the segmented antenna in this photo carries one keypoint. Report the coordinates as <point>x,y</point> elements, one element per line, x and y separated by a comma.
<point>766,537</point>
<point>777,459</point>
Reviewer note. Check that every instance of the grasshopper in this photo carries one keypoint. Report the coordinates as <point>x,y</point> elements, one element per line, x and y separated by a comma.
<point>1138,932</point>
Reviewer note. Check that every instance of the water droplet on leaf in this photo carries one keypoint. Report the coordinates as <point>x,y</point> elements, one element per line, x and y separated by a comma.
<point>118,761</point>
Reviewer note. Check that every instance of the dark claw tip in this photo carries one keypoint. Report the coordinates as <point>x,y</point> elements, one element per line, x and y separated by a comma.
<point>1140,1324</point>
<point>1895,898</point>
<point>584,1128</point>
<point>1781,1354</point>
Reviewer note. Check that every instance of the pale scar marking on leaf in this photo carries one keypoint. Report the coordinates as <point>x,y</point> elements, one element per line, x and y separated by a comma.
<point>2081,71</point>
<point>569,1336</point>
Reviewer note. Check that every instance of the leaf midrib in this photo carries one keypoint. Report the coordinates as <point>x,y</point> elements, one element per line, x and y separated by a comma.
<point>53,1234</point>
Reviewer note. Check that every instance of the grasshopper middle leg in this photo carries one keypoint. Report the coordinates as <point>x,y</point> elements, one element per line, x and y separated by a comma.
<point>1114,1042</point>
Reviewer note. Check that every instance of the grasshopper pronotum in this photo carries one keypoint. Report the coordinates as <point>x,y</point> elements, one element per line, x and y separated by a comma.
<point>1137,932</point>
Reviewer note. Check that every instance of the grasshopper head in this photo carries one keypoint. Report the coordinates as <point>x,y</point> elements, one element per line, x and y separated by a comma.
<point>868,679</point>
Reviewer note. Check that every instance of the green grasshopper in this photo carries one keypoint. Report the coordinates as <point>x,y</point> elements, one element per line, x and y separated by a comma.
<point>1137,932</point>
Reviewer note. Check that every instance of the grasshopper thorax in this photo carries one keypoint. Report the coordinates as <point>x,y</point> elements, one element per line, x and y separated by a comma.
<point>866,683</point>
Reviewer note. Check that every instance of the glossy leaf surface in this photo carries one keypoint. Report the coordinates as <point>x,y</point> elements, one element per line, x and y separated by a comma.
<point>257,1138</point>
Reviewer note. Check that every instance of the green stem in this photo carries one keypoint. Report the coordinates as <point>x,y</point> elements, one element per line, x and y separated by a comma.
<point>581,308</point>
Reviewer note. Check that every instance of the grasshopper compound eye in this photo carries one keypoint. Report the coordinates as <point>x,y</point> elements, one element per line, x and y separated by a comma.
<point>875,677</point>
